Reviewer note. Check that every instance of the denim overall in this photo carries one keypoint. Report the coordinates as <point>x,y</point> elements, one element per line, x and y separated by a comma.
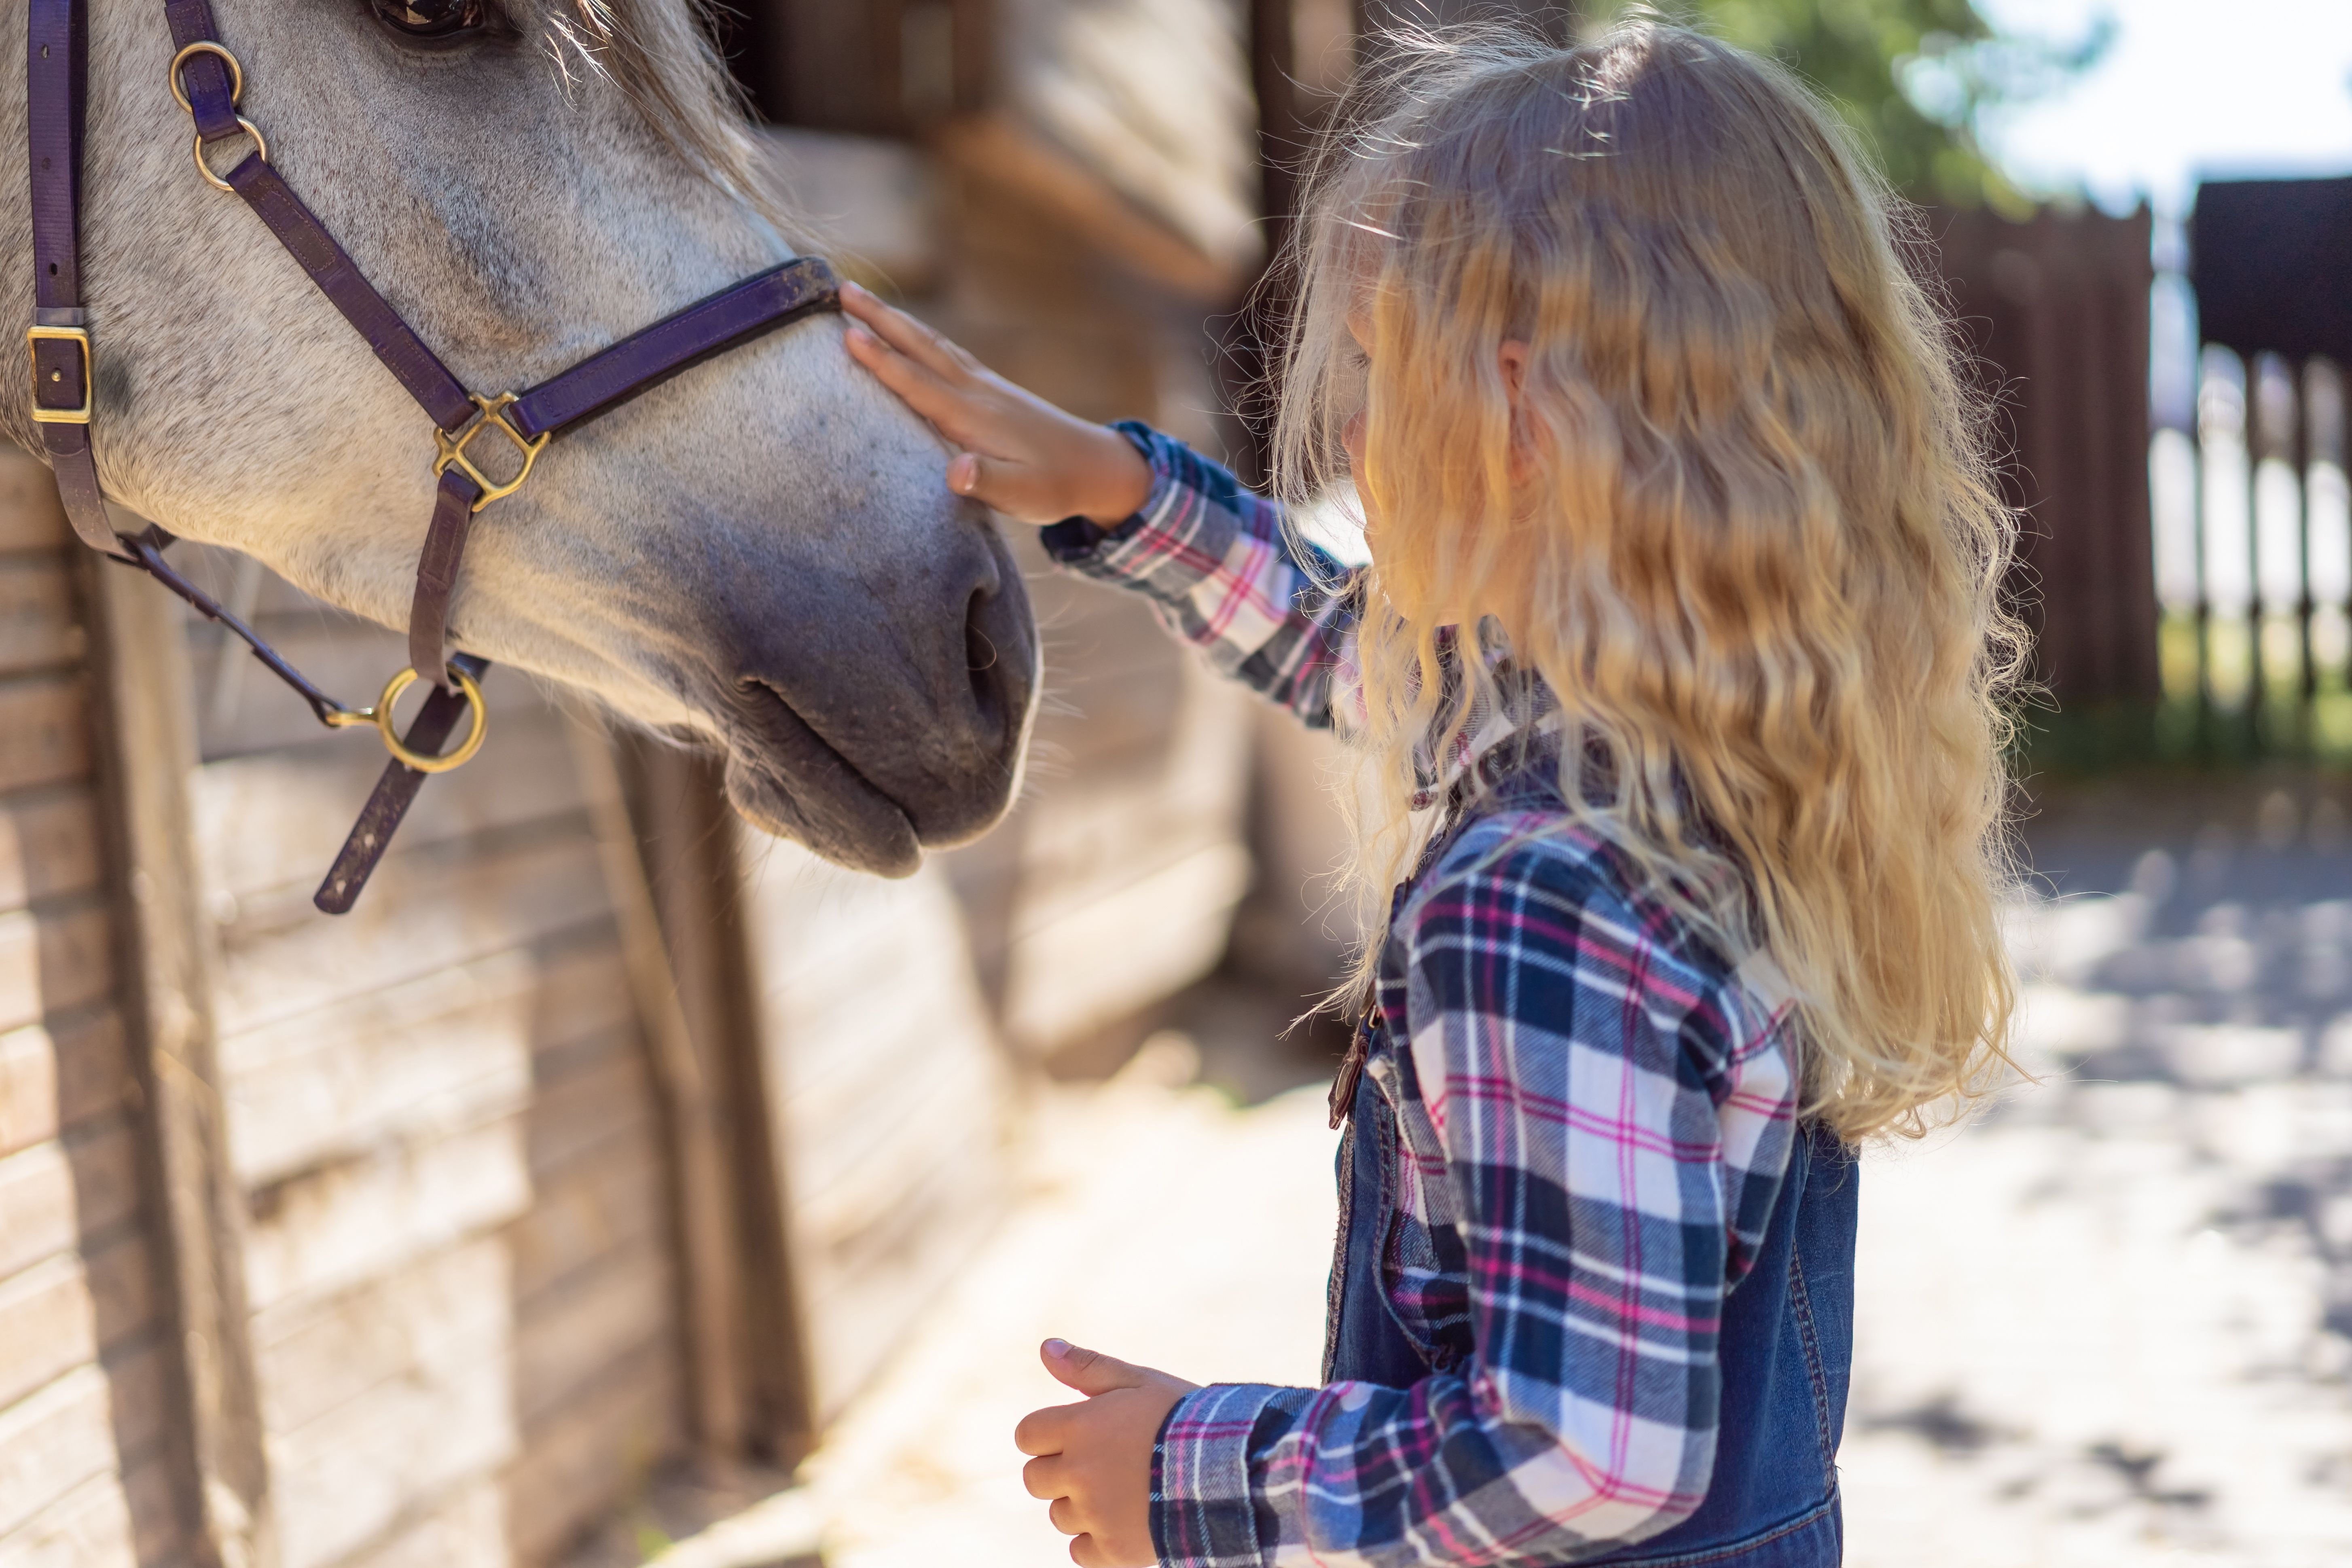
<point>1786,1348</point>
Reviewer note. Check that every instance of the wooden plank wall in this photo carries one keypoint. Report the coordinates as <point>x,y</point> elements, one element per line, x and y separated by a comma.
<point>458,1234</point>
<point>1083,252</point>
<point>85,1417</point>
<point>465,1307</point>
<point>1154,98</point>
<point>891,1104</point>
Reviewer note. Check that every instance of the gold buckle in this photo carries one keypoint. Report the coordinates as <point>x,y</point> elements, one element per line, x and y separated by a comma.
<point>34,338</point>
<point>381,716</point>
<point>236,97</point>
<point>219,51</point>
<point>214,181</point>
<point>493,415</point>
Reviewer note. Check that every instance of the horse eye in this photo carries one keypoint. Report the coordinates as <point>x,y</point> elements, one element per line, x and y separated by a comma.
<point>431,18</point>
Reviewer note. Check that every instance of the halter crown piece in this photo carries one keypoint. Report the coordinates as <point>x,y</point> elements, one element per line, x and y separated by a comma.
<point>209,83</point>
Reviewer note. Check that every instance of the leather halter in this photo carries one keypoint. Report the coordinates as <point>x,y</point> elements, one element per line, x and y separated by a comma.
<point>208,83</point>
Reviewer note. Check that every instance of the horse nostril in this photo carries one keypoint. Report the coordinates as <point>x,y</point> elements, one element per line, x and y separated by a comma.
<point>983,664</point>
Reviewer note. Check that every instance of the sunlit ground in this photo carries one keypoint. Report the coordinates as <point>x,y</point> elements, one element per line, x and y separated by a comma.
<point>1165,1227</point>
<point>2103,1325</point>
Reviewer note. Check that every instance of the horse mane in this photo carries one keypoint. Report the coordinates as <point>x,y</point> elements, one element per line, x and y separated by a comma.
<point>661,54</point>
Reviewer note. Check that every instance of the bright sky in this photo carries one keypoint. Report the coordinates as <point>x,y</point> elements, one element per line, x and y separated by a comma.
<point>2188,88</point>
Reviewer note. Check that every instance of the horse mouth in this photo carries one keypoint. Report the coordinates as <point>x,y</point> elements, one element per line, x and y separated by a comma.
<point>789,781</point>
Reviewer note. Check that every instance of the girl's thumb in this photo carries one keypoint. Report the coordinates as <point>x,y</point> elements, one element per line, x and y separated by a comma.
<point>981,478</point>
<point>1088,1371</point>
<point>1012,488</point>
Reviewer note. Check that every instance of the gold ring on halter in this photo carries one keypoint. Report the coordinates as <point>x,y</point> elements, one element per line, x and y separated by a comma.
<point>381,716</point>
<point>214,181</point>
<point>207,47</point>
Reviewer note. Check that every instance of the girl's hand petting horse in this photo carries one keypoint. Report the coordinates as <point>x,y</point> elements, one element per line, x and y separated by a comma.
<point>1020,454</point>
<point>1093,1462</point>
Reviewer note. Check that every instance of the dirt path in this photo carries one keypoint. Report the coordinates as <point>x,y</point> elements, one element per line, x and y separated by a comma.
<point>2106,1325</point>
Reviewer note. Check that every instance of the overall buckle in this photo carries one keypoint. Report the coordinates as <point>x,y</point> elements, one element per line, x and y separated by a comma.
<point>493,415</point>
<point>42,413</point>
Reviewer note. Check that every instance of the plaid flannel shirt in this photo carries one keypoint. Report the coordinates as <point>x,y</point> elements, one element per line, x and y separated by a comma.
<point>1594,1114</point>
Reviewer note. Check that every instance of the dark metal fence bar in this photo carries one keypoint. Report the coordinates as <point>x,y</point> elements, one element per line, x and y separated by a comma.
<point>2253,537</point>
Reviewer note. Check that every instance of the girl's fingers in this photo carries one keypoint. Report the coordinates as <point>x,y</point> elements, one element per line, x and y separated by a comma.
<point>915,386</point>
<point>905,333</point>
<point>1046,1478</point>
<point>1042,1432</point>
<point>1063,1515</point>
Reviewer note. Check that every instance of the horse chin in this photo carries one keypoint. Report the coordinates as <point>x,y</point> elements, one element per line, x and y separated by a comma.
<point>786,780</point>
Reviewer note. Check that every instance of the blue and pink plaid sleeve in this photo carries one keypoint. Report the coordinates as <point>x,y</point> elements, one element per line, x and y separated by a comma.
<point>1215,560</point>
<point>1594,1120</point>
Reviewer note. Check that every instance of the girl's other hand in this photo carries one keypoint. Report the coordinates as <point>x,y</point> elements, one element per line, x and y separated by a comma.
<point>1093,1463</point>
<point>1020,454</point>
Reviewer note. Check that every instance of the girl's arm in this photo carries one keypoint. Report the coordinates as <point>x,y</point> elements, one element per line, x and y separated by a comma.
<point>1605,1125</point>
<point>1214,559</point>
<point>1127,505</point>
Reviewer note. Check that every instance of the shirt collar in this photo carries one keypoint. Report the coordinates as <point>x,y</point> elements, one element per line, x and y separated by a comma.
<point>1513,726</point>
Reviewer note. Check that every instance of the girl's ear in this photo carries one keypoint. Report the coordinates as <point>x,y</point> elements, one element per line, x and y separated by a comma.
<point>1514,357</point>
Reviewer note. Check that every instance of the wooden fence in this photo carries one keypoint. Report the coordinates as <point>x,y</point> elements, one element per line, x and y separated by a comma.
<point>2252,527</point>
<point>2056,310</point>
<point>2253,548</point>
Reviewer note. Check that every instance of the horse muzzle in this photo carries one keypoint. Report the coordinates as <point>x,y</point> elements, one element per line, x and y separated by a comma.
<point>871,725</point>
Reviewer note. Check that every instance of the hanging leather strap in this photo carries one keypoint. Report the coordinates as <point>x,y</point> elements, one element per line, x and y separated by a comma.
<point>394,792</point>
<point>436,571</point>
<point>147,550</point>
<point>63,369</point>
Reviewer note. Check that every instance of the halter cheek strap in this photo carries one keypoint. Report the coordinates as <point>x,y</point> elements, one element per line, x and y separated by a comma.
<point>209,82</point>
<point>57,63</point>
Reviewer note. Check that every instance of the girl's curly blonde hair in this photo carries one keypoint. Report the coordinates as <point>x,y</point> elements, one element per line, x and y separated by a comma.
<point>1739,516</point>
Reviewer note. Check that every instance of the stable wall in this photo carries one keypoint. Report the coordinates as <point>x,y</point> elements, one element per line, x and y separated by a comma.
<point>88,1361</point>
<point>464,1310</point>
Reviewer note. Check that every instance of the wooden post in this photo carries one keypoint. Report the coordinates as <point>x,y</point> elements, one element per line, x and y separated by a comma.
<point>684,833</point>
<point>146,731</point>
<point>1281,127</point>
<point>707,1222</point>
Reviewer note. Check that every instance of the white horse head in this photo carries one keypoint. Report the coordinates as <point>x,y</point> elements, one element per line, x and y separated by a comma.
<point>762,551</point>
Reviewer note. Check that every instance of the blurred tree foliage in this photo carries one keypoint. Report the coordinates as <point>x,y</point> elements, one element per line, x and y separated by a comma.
<point>1911,76</point>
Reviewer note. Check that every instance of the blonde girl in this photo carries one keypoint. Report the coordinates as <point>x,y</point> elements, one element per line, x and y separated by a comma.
<point>1673,682</point>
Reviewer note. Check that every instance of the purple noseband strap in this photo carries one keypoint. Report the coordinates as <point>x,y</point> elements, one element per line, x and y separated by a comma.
<point>727,320</point>
<point>64,391</point>
<point>644,360</point>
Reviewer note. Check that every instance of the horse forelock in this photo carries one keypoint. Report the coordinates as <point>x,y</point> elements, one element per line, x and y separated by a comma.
<point>660,55</point>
